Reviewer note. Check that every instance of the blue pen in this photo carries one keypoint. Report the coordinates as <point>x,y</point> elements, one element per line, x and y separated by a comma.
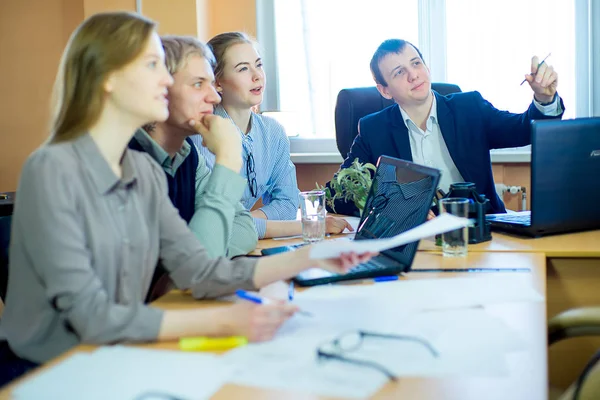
<point>386,278</point>
<point>242,294</point>
<point>291,291</point>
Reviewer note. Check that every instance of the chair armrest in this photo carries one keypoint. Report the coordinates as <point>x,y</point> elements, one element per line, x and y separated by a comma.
<point>584,321</point>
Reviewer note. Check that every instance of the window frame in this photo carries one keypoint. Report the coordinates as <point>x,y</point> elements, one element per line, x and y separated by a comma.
<point>432,30</point>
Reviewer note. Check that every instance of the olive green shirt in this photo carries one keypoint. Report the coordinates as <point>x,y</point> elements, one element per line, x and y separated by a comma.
<point>84,246</point>
<point>220,221</point>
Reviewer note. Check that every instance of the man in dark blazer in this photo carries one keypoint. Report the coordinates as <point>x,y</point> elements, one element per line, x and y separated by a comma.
<point>453,133</point>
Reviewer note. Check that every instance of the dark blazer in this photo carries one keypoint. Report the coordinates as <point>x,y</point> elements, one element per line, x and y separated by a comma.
<point>471,127</point>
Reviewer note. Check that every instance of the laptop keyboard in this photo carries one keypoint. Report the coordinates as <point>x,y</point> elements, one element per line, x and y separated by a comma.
<point>521,219</point>
<point>371,265</point>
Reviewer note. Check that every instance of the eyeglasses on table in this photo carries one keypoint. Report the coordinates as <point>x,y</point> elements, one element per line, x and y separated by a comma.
<point>339,348</point>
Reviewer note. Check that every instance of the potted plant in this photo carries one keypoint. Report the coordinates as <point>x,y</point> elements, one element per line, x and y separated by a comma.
<point>351,184</point>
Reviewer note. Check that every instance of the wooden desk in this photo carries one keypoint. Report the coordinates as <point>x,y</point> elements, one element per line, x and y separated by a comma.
<point>572,280</point>
<point>571,245</point>
<point>528,374</point>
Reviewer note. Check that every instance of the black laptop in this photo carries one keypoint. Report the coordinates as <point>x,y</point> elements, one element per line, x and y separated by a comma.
<point>399,199</point>
<point>565,180</point>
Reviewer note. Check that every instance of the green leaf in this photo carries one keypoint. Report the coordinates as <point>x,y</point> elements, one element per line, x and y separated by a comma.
<point>352,184</point>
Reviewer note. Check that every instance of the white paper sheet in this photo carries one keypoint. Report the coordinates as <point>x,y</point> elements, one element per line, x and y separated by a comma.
<point>457,336</point>
<point>470,342</point>
<point>301,372</point>
<point>434,294</point>
<point>125,373</point>
<point>441,224</point>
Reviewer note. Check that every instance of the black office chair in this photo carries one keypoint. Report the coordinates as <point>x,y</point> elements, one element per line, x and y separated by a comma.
<point>353,104</point>
<point>578,322</point>
<point>5,224</point>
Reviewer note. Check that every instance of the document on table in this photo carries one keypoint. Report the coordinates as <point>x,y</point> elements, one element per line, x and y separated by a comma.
<point>301,372</point>
<point>126,373</point>
<point>441,224</point>
<point>469,342</point>
<point>433,294</point>
<point>447,313</point>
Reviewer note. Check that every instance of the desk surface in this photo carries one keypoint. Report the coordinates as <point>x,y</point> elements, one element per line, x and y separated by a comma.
<point>528,371</point>
<point>570,245</point>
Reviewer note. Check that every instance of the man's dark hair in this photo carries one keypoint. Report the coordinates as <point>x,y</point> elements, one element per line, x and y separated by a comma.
<point>390,46</point>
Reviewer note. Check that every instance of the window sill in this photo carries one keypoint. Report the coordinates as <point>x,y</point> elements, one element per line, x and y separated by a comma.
<point>308,150</point>
<point>511,156</point>
<point>316,158</point>
<point>498,157</point>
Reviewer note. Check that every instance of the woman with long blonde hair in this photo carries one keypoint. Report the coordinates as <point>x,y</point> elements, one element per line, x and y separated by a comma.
<point>92,218</point>
<point>268,169</point>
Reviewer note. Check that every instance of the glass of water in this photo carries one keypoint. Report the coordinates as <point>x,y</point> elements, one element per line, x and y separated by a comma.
<point>454,243</point>
<point>313,214</point>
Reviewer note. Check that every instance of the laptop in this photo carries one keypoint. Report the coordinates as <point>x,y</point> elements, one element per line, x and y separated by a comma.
<point>565,183</point>
<point>399,199</point>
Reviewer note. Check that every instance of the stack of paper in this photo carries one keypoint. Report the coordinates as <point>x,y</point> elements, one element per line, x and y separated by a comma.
<point>125,373</point>
<point>447,313</point>
<point>431,294</point>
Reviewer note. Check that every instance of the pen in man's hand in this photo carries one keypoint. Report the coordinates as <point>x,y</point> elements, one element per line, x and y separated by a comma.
<point>538,67</point>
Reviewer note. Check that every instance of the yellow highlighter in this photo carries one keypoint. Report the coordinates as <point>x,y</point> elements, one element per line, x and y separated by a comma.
<point>211,344</point>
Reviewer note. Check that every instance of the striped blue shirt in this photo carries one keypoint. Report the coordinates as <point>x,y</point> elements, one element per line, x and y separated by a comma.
<point>275,172</point>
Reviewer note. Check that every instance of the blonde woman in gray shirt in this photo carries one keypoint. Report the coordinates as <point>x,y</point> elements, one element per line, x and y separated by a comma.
<point>92,218</point>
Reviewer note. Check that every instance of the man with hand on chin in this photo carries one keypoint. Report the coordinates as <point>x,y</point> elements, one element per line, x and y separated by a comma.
<point>208,201</point>
<point>453,133</point>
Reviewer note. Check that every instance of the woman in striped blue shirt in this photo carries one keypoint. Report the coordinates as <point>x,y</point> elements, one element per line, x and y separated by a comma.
<point>270,173</point>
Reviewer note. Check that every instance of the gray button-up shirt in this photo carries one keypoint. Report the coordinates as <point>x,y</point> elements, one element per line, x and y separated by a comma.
<point>84,246</point>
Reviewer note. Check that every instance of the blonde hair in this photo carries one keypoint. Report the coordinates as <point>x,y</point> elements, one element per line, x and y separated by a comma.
<point>222,42</point>
<point>179,48</point>
<point>102,44</point>
<point>177,51</point>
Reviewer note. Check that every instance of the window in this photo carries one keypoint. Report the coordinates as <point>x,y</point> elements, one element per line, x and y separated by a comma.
<point>482,45</point>
<point>324,46</point>
<point>490,45</point>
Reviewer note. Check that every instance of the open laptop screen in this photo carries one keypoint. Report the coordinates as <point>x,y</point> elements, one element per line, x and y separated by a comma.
<point>400,198</point>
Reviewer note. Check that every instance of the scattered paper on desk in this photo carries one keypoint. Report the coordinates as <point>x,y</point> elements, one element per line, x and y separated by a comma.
<point>470,342</point>
<point>434,294</point>
<point>296,369</point>
<point>448,313</point>
<point>126,373</point>
<point>461,350</point>
<point>441,224</point>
